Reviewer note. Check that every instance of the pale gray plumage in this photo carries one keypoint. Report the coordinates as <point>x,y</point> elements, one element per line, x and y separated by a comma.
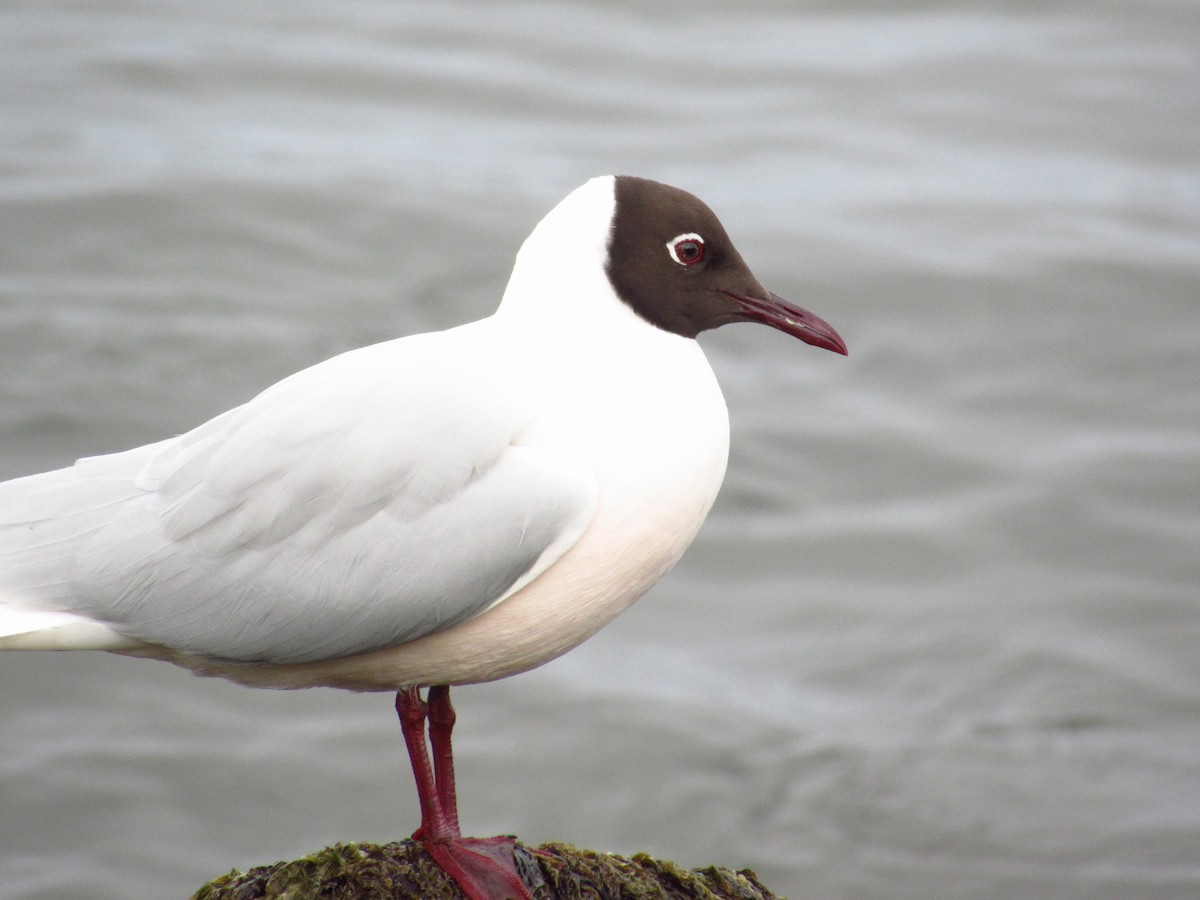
<point>321,519</point>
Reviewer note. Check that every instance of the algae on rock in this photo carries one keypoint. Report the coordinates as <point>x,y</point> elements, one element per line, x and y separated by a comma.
<point>552,872</point>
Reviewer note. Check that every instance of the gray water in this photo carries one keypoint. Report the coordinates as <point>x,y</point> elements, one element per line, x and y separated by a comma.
<point>939,638</point>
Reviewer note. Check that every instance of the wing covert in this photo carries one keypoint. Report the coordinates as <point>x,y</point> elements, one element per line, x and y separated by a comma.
<point>360,504</point>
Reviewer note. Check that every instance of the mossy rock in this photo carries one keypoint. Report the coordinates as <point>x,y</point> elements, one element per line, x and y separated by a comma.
<point>552,871</point>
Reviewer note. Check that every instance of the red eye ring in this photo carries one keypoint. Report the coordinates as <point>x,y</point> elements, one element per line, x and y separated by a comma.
<point>686,249</point>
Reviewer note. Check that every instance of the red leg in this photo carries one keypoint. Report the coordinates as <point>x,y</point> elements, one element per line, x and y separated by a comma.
<point>441,723</point>
<point>484,868</point>
<point>412,711</point>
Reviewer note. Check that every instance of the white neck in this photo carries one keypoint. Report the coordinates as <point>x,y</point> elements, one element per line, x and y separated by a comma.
<point>559,284</point>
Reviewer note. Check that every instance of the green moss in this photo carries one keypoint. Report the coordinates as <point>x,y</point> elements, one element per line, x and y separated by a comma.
<point>553,872</point>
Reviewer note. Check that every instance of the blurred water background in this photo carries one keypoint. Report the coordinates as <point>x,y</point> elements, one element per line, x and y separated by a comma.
<point>941,635</point>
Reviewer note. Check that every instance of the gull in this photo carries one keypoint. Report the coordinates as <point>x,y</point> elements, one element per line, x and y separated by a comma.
<point>436,510</point>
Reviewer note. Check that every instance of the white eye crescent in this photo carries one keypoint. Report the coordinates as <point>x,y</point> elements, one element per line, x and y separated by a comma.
<point>686,249</point>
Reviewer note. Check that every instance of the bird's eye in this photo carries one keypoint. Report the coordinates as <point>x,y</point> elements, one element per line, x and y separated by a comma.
<point>686,249</point>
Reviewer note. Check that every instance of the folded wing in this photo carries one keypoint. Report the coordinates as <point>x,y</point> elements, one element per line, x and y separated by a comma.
<point>375,498</point>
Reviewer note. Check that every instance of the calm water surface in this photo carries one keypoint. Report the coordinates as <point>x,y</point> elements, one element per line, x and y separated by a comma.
<point>939,637</point>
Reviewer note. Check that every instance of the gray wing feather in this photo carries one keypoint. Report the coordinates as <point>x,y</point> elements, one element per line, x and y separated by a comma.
<point>360,504</point>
